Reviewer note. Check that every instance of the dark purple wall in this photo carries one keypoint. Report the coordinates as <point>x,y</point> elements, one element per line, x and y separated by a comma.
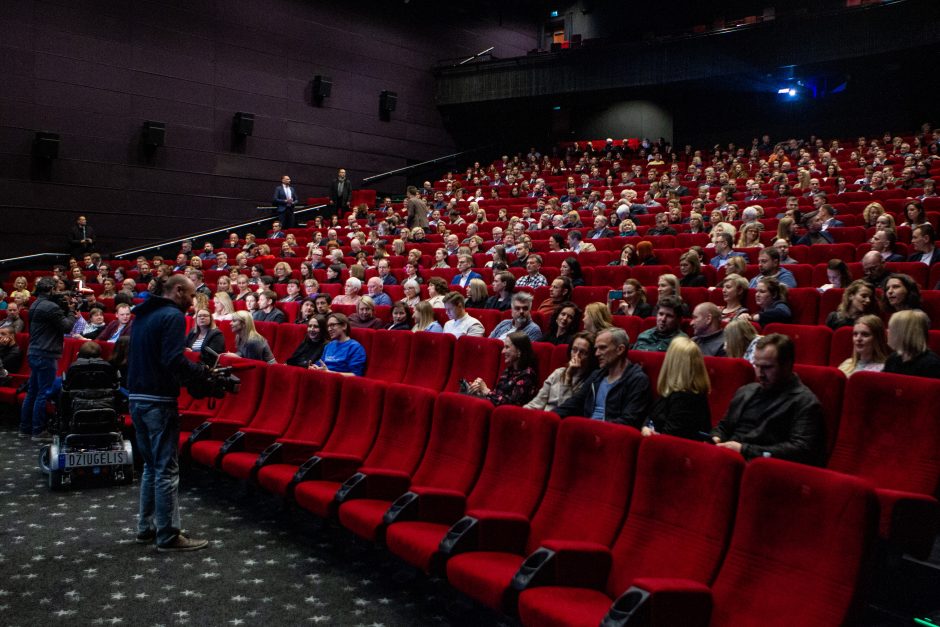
<point>93,71</point>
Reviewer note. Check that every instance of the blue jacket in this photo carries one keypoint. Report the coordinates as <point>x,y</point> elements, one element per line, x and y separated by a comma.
<point>156,364</point>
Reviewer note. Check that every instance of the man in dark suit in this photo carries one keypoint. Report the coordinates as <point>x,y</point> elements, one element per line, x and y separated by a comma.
<point>81,238</point>
<point>922,240</point>
<point>285,197</point>
<point>600,229</point>
<point>417,209</point>
<point>340,193</point>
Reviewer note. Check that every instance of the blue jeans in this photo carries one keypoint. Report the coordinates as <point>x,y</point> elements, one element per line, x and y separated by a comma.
<point>158,428</point>
<point>41,375</point>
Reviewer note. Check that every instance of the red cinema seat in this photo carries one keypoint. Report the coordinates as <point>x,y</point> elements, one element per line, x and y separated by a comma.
<point>289,337</point>
<point>678,526</point>
<point>828,384</point>
<point>889,435</point>
<point>399,446</point>
<point>8,392</point>
<point>316,411</point>
<point>841,347</point>
<point>274,409</point>
<point>268,330</point>
<point>726,376</point>
<point>475,357</point>
<point>587,494</point>
<point>915,269</point>
<point>231,413</point>
<point>448,469</point>
<point>357,421</point>
<point>585,295</point>
<point>511,482</point>
<point>804,302</point>
<point>388,357</point>
<point>431,356</point>
<point>811,341</point>
<point>799,553</point>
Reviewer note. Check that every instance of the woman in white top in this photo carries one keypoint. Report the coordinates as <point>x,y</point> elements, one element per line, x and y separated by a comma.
<point>223,307</point>
<point>869,346</point>
<point>562,383</point>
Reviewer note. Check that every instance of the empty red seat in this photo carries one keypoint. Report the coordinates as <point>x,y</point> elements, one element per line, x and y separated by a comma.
<point>475,357</point>
<point>810,340</point>
<point>318,410</point>
<point>389,355</point>
<point>784,566</point>
<point>828,384</point>
<point>678,525</point>
<point>448,469</point>
<point>587,495</point>
<point>289,337</point>
<point>431,356</point>
<point>726,376</point>
<point>511,482</point>
<point>399,446</point>
<point>274,409</point>
<point>889,434</point>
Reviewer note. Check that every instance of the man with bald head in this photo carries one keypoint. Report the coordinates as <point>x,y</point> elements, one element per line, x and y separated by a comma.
<point>876,273</point>
<point>707,331</point>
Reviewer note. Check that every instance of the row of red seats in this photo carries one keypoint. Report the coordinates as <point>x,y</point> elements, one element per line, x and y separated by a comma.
<point>448,487</point>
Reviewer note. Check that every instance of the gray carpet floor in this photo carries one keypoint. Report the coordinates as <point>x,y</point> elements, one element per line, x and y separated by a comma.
<point>70,558</point>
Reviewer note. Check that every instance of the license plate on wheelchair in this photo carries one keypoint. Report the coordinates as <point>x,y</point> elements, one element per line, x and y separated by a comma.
<point>87,459</point>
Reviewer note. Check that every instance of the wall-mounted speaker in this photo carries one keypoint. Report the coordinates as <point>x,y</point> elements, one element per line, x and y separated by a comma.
<point>322,87</point>
<point>387,101</point>
<point>243,123</point>
<point>46,145</point>
<point>154,133</point>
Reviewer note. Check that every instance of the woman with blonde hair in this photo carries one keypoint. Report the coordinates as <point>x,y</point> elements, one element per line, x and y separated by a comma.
<point>740,339</point>
<point>858,300</point>
<point>907,337</point>
<point>476,294</point>
<point>597,318</point>
<point>871,213</point>
<point>668,285</point>
<point>869,346</point>
<point>20,288</point>
<point>205,334</point>
<point>249,344</point>
<point>222,306</point>
<point>282,272</point>
<point>398,247</point>
<point>884,222</point>
<point>682,407</point>
<point>425,320</point>
<point>786,229</point>
<point>749,237</point>
<point>734,292</point>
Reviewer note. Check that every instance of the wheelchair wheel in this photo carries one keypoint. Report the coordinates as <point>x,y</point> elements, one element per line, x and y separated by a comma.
<point>44,458</point>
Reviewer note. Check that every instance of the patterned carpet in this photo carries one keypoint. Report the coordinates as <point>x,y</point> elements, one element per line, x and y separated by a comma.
<point>70,558</point>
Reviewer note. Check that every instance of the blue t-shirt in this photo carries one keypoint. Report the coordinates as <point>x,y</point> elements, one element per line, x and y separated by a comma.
<point>600,401</point>
<point>348,356</point>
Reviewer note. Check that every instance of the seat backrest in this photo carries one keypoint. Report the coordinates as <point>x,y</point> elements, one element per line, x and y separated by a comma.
<point>388,358</point>
<point>241,407</point>
<point>403,432</point>
<point>726,376</point>
<point>474,357</point>
<point>811,341</point>
<point>889,432</point>
<point>800,546</point>
<point>513,476</point>
<point>456,444</point>
<point>276,406</point>
<point>828,384</point>
<point>315,410</point>
<point>804,303</point>
<point>841,347</point>
<point>681,515</point>
<point>357,417</point>
<point>590,483</point>
<point>289,337</point>
<point>431,355</point>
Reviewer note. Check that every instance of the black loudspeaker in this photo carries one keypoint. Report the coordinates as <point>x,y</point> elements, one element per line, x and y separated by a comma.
<point>46,145</point>
<point>387,101</point>
<point>154,133</point>
<point>322,87</point>
<point>243,123</point>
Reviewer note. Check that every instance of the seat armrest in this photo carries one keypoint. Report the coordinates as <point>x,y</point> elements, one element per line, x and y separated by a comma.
<point>571,563</point>
<point>270,455</point>
<point>200,432</point>
<point>189,420</point>
<point>661,603</point>
<point>232,444</point>
<point>405,507</point>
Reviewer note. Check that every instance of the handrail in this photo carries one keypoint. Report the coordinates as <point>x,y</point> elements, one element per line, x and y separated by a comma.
<point>13,261</point>
<point>204,234</point>
<point>416,166</point>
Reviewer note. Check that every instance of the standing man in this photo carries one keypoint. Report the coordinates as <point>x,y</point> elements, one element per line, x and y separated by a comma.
<point>417,209</point>
<point>156,367</point>
<point>81,238</point>
<point>285,197</point>
<point>48,324</point>
<point>340,193</point>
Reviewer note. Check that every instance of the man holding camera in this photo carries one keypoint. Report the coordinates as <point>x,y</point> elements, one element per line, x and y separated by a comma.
<point>156,366</point>
<point>51,316</point>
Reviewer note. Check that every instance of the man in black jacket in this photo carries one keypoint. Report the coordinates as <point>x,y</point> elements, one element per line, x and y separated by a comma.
<point>81,238</point>
<point>777,416</point>
<point>619,391</point>
<point>48,324</point>
<point>340,193</point>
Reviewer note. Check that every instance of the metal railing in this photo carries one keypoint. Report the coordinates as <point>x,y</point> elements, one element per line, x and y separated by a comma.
<point>424,164</point>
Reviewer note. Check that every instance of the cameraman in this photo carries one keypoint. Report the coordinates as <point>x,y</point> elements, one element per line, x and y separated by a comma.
<point>50,318</point>
<point>156,366</point>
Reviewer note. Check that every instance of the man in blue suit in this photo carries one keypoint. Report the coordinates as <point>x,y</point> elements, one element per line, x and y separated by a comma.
<point>285,197</point>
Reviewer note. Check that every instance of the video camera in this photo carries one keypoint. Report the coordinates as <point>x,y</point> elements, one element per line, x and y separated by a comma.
<point>67,301</point>
<point>217,382</point>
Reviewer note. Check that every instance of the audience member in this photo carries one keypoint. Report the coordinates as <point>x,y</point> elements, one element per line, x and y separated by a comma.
<point>858,300</point>
<point>777,416</point>
<point>741,339</point>
<point>723,250</point>
<point>364,318</point>
<point>907,337</point>
<point>771,297</point>
<point>562,383</point>
<point>707,331</point>
<point>668,319</point>
<point>205,334</point>
<point>633,302</point>
<point>267,312</point>
<point>565,322</point>
<point>460,322</point>
<point>401,317</point>
<point>883,242</point>
<point>119,327</point>
<point>521,319</point>
<point>351,294</point>
<point>869,346</point>
<point>476,294</point>
<point>618,391</point>
<point>533,278</point>
<point>571,268</point>
<point>13,320</point>
<point>437,290</point>
<point>517,384</point>
<point>424,318</point>
<point>682,408</point>
<point>769,263</point>
<point>341,354</point>
<point>465,271</point>
<point>249,344</point>
<point>901,293</point>
<point>922,241</point>
<point>597,317</point>
<point>10,355</point>
<point>311,348</point>
<point>690,267</point>
<point>560,291</point>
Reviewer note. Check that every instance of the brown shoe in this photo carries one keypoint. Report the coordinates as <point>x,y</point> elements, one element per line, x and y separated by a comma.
<point>182,543</point>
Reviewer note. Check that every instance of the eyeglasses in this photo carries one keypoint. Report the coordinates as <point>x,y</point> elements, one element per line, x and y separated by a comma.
<point>330,325</point>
